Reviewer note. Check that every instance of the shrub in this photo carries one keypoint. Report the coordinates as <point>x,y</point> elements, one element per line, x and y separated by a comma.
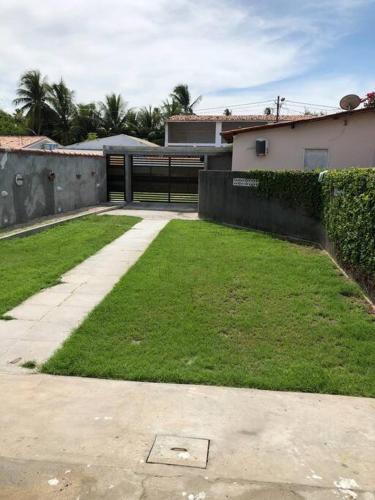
<point>292,188</point>
<point>349,218</point>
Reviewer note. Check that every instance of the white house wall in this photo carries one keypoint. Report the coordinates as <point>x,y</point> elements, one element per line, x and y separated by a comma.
<point>350,141</point>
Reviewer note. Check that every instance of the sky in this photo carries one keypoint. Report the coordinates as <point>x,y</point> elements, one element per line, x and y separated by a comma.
<point>232,52</point>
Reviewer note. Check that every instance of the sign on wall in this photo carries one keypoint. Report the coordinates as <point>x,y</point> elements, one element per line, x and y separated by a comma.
<point>245,182</point>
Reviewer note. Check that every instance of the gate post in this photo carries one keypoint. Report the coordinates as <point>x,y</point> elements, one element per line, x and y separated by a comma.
<point>205,162</point>
<point>128,178</point>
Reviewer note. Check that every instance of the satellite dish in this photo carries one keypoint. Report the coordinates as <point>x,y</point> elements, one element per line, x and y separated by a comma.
<point>350,101</point>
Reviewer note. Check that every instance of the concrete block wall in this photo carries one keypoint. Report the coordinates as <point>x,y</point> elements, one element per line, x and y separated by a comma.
<point>35,184</point>
<point>222,200</point>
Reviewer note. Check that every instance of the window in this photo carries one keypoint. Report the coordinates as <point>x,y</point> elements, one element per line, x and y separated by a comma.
<point>261,147</point>
<point>315,158</point>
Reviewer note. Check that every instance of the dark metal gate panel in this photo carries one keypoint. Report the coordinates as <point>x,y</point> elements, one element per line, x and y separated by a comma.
<point>166,179</point>
<point>150,178</point>
<point>184,174</point>
<point>116,178</point>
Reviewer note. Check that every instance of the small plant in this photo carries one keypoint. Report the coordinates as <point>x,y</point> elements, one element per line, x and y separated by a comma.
<point>6,317</point>
<point>370,100</point>
<point>55,282</point>
<point>29,364</point>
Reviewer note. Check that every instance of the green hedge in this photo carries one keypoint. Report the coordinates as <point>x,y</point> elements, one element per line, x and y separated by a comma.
<point>292,188</point>
<point>349,218</point>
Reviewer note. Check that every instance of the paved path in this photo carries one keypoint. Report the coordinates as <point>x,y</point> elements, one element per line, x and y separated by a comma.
<point>156,214</point>
<point>45,320</point>
<point>69,438</point>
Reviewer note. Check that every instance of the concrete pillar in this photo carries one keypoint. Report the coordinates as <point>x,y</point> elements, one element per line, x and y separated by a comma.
<point>128,178</point>
<point>205,162</point>
<point>218,129</point>
<point>166,135</point>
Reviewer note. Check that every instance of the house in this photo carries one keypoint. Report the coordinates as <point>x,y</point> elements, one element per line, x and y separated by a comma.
<point>121,140</point>
<point>206,130</point>
<point>27,142</point>
<point>338,140</point>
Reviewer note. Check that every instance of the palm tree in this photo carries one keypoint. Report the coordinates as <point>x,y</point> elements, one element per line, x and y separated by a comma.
<point>171,108</point>
<point>181,95</point>
<point>114,114</point>
<point>131,124</point>
<point>227,112</point>
<point>86,120</point>
<point>149,124</point>
<point>32,96</point>
<point>60,98</point>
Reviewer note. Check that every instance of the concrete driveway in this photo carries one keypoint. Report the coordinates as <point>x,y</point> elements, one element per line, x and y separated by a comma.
<point>74,438</point>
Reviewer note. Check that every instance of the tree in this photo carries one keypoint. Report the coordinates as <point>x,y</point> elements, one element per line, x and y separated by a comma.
<point>150,125</point>
<point>12,124</point>
<point>227,112</point>
<point>60,99</point>
<point>86,120</point>
<point>171,108</point>
<point>131,124</point>
<point>308,112</point>
<point>268,111</point>
<point>114,114</point>
<point>32,95</point>
<point>181,95</point>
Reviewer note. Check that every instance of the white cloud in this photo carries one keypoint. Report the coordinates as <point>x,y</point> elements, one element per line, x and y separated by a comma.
<point>142,48</point>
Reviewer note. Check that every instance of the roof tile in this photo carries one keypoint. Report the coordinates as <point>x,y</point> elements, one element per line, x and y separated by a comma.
<point>19,141</point>
<point>234,118</point>
<point>228,134</point>
<point>57,151</point>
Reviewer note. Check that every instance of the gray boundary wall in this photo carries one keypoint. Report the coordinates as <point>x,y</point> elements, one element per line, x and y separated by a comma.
<point>222,198</point>
<point>52,183</point>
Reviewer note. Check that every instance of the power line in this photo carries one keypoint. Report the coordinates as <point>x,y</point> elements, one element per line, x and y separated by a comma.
<point>248,105</point>
<point>247,110</point>
<point>236,105</point>
<point>315,105</point>
<point>287,108</point>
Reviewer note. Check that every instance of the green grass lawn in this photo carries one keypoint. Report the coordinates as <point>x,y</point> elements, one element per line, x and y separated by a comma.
<point>210,304</point>
<point>34,262</point>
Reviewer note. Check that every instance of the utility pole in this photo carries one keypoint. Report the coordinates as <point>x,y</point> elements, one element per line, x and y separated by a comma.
<point>279,103</point>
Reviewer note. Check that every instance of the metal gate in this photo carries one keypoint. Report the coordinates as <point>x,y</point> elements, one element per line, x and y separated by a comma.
<point>116,178</point>
<point>168,179</point>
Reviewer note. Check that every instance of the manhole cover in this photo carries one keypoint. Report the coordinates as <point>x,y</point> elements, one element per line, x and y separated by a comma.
<point>174,450</point>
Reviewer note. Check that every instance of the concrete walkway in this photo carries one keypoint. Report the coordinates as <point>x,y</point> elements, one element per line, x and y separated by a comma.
<point>156,214</point>
<point>45,320</point>
<point>73,438</point>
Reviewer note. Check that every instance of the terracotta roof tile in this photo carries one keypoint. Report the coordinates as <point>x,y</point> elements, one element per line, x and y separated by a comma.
<point>229,134</point>
<point>62,152</point>
<point>74,152</point>
<point>19,141</point>
<point>233,118</point>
